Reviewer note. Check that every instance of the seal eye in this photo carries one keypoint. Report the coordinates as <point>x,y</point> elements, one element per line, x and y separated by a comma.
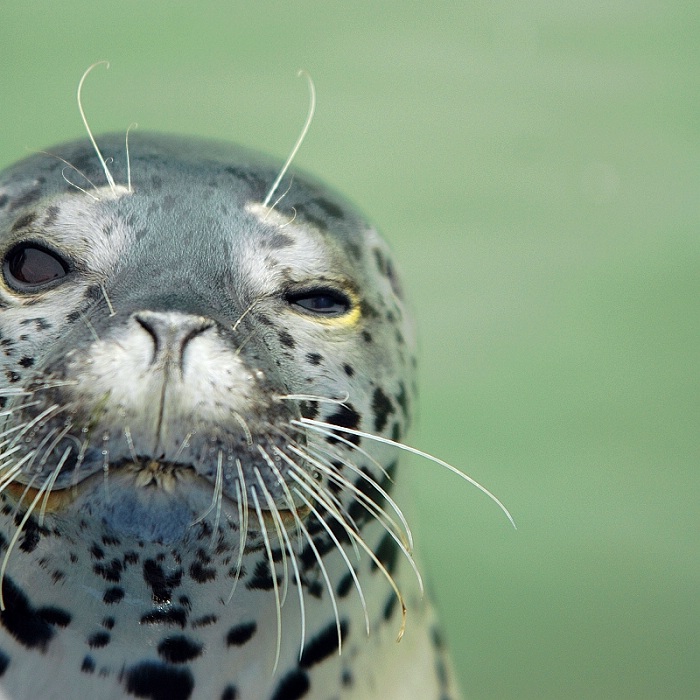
<point>29,266</point>
<point>321,302</point>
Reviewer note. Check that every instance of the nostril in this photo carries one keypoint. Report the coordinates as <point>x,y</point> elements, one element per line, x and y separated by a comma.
<point>171,331</point>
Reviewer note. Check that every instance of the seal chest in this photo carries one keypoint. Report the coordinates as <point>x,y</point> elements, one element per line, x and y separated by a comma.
<point>201,396</point>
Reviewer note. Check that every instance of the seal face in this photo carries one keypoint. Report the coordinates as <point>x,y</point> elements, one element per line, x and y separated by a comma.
<point>190,386</point>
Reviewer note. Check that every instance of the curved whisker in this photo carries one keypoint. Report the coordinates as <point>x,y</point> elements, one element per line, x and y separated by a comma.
<point>292,556</point>
<point>279,528</point>
<point>369,504</point>
<point>273,575</point>
<point>17,534</point>
<point>315,425</point>
<point>242,501</point>
<point>317,495</point>
<point>52,480</point>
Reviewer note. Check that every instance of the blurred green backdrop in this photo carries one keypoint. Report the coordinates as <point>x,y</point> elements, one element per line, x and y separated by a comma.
<point>536,166</point>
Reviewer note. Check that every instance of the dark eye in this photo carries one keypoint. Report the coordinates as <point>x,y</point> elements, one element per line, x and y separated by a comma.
<point>322,301</point>
<point>29,266</point>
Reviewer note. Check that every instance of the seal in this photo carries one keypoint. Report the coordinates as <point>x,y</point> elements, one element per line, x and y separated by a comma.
<point>203,397</point>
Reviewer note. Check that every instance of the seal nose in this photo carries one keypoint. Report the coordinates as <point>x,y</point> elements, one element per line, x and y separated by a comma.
<point>171,332</point>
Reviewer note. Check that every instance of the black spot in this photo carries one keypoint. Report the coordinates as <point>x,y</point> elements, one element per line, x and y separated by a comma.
<point>261,579</point>
<point>179,649</point>
<point>21,620</point>
<point>389,607</point>
<point>402,399</point>
<point>4,662</point>
<point>346,679</point>
<point>313,358</point>
<point>344,586</point>
<point>26,362</point>
<point>349,370</point>
<point>323,645</point>
<point>346,417</point>
<point>98,640</point>
<point>387,552</point>
<point>23,222</point>
<point>131,558</point>
<point>113,595</point>
<point>171,616</point>
<point>204,621</point>
<point>54,616</point>
<point>293,686</point>
<point>158,681</point>
<point>108,623</point>
<point>279,240</point>
<point>88,665</point>
<point>161,584</point>
<point>97,552</point>
<point>110,571</point>
<point>202,574</point>
<point>3,200</point>
<point>308,409</point>
<point>329,207</point>
<point>382,408</point>
<point>286,339</point>
<point>230,693</point>
<point>241,634</point>
<point>367,336</point>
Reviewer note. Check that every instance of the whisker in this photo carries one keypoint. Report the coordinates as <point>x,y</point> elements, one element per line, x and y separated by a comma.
<point>340,549</point>
<point>108,175</point>
<point>273,575</point>
<point>16,536</point>
<point>279,527</point>
<point>52,481</point>
<point>78,187</point>
<point>242,499</point>
<point>246,430</point>
<point>318,495</point>
<point>292,556</point>
<point>314,398</point>
<point>315,425</point>
<point>300,140</point>
<point>131,126</point>
<point>105,295</point>
<point>324,573</point>
<point>89,325</point>
<point>130,445</point>
<point>370,505</point>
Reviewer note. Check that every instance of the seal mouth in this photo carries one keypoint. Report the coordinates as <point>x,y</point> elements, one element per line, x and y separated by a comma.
<point>147,474</point>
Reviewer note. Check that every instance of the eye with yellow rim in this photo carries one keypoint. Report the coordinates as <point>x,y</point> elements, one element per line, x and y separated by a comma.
<point>322,301</point>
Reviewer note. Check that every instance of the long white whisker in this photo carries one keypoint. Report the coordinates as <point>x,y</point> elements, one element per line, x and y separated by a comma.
<point>326,578</point>
<point>52,481</point>
<point>108,175</point>
<point>273,575</point>
<point>131,126</point>
<point>279,528</point>
<point>370,505</point>
<point>315,425</point>
<point>242,498</point>
<point>320,497</point>
<point>300,140</point>
<point>339,547</point>
<point>16,536</point>
<point>290,549</point>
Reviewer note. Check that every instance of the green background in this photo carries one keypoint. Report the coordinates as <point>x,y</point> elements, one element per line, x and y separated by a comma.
<point>536,167</point>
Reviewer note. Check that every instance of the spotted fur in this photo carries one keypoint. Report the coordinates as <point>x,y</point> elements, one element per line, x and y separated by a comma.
<point>191,505</point>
